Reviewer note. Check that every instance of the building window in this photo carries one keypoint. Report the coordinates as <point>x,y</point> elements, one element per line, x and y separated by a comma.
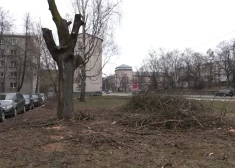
<point>13,41</point>
<point>13,63</point>
<point>1,63</point>
<point>13,74</point>
<point>12,85</point>
<point>13,52</point>
<point>1,74</point>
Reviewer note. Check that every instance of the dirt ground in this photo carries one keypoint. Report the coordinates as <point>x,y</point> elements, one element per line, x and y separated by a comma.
<point>95,138</point>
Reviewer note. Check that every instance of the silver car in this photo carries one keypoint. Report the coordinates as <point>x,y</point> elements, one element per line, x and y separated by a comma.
<point>12,103</point>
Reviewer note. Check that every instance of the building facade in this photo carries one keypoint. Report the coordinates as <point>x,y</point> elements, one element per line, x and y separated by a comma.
<point>93,50</point>
<point>18,59</point>
<point>124,78</point>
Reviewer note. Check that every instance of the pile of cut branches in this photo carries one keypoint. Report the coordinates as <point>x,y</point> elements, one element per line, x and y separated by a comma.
<point>167,110</point>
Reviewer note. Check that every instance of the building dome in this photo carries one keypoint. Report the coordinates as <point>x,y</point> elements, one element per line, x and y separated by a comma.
<point>123,67</point>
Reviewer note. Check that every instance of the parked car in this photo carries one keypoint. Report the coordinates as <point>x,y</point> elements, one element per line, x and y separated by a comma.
<point>29,103</point>
<point>37,99</point>
<point>12,103</point>
<point>2,114</point>
<point>224,92</point>
<point>43,97</point>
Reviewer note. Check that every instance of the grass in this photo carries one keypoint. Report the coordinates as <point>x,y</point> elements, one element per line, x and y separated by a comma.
<point>101,101</point>
<point>219,106</point>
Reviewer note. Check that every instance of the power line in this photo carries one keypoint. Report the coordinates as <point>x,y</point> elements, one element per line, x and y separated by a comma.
<point>215,39</point>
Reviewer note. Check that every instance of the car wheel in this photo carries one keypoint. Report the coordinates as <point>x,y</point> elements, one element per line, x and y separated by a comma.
<point>3,118</point>
<point>15,113</point>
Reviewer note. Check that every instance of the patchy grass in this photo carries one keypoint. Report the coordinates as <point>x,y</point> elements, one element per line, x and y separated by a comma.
<point>219,106</point>
<point>101,101</point>
<point>37,139</point>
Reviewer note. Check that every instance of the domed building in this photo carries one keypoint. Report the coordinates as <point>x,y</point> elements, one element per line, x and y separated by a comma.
<point>123,78</point>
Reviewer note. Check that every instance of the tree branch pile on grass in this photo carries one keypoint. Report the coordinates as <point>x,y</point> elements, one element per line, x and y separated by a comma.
<point>154,110</point>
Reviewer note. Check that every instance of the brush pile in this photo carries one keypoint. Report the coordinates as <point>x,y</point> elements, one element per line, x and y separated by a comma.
<point>167,110</point>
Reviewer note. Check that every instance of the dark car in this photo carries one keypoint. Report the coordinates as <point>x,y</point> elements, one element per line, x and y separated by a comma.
<point>2,114</point>
<point>29,103</point>
<point>12,103</point>
<point>37,99</point>
<point>224,92</point>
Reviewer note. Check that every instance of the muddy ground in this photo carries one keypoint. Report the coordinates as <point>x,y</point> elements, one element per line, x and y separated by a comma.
<point>95,138</point>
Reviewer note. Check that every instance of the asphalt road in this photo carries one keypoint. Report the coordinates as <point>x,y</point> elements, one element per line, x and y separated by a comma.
<point>194,97</point>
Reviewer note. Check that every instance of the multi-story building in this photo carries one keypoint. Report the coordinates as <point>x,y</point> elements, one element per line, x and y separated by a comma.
<point>93,50</point>
<point>18,57</point>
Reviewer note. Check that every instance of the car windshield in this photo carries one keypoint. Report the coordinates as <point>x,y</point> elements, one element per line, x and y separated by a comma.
<point>9,96</point>
<point>26,97</point>
<point>35,96</point>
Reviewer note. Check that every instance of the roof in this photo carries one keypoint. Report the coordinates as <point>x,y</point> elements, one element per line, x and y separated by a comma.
<point>123,67</point>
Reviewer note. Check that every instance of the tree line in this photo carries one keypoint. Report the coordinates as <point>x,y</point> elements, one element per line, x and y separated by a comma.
<point>166,69</point>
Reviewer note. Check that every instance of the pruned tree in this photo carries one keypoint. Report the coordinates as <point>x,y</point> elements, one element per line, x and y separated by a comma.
<point>64,56</point>
<point>97,39</point>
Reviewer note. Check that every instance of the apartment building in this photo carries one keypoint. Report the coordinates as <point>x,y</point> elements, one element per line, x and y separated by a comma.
<point>18,60</point>
<point>93,49</point>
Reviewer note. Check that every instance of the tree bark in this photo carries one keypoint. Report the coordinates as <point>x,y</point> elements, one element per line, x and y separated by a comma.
<point>65,99</point>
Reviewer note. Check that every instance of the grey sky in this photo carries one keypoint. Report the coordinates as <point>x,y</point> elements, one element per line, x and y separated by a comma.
<point>150,24</point>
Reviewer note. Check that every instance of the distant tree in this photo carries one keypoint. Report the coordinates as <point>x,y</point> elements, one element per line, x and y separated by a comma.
<point>209,66</point>
<point>65,58</point>
<point>223,52</point>
<point>26,53</point>
<point>6,24</point>
<point>100,17</point>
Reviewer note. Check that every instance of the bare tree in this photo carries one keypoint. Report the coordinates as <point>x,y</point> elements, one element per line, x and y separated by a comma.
<point>6,24</point>
<point>24,63</point>
<point>232,61</point>
<point>48,71</point>
<point>65,58</point>
<point>100,17</point>
<point>171,66</point>
<point>224,57</point>
<point>209,67</point>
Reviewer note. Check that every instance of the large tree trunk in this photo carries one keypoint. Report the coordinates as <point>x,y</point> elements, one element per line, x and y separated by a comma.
<point>65,98</point>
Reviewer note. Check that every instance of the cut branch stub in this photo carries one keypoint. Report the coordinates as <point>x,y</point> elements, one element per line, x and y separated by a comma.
<point>47,34</point>
<point>61,24</point>
<point>76,26</point>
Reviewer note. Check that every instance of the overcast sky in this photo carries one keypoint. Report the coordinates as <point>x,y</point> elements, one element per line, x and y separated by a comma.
<point>150,24</point>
